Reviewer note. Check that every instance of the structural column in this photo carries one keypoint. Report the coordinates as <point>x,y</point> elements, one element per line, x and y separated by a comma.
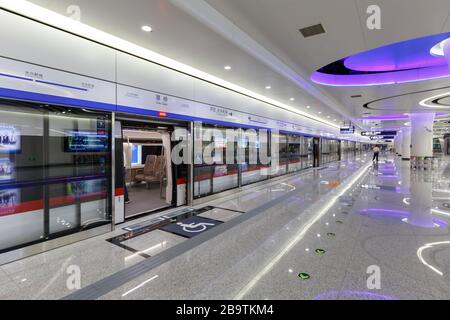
<point>406,144</point>
<point>398,143</point>
<point>422,134</point>
<point>421,191</point>
<point>447,51</point>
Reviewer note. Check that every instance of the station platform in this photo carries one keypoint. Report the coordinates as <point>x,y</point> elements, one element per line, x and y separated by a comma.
<point>344,231</point>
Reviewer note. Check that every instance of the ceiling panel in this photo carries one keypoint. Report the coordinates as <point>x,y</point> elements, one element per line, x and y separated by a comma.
<point>179,36</point>
<point>347,33</point>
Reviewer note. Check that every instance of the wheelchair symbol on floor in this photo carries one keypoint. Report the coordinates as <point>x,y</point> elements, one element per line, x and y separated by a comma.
<point>195,227</point>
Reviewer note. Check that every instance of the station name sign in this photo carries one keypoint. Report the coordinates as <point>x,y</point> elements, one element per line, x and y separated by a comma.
<point>348,130</point>
<point>378,133</point>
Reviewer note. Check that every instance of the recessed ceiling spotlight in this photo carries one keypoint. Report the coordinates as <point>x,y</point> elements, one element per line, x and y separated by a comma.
<point>268,87</point>
<point>320,112</point>
<point>227,68</point>
<point>147,28</point>
<point>328,117</point>
<point>292,99</point>
<point>308,107</point>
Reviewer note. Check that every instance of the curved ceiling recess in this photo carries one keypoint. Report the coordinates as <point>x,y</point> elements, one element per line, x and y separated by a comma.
<point>395,117</point>
<point>402,62</point>
<point>438,101</point>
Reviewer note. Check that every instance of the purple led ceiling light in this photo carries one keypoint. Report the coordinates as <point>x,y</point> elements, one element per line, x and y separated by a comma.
<point>402,62</point>
<point>392,117</point>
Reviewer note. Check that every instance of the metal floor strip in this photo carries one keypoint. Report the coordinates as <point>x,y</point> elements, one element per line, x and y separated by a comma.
<point>114,281</point>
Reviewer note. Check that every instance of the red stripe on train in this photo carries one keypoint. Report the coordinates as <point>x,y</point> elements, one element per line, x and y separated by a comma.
<point>21,207</point>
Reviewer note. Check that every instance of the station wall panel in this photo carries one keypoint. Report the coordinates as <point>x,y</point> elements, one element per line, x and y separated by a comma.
<point>33,42</point>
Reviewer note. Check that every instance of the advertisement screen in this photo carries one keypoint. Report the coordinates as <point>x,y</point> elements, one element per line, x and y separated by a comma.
<point>9,139</point>
<point>85,141</point>
<point>7,170</point>
<point>86,187</point>
<point>9,199</point>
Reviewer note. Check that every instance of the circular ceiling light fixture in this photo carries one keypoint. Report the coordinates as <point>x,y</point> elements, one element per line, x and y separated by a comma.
<point>438,50</point>
<point>403,62</point>
<point>147,28</point>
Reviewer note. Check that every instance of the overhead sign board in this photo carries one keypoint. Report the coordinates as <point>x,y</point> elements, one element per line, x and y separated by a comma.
<point>348,130</point>
<point>378,133</point>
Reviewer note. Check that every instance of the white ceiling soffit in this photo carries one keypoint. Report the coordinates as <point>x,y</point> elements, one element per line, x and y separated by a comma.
<point>275,24</point>
<point>215,20</point>
<point>38,13</point>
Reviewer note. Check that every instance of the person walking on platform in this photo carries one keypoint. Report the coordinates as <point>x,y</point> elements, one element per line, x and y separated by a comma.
<point>376,153</point>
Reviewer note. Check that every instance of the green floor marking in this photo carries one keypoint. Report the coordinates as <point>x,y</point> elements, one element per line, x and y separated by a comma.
<point>320,251</point>
<point>304,276</point>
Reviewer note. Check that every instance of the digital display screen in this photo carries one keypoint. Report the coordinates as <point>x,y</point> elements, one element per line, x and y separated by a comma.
<point>85,141</point>
<point>80,188</point>
<point>9,139</point>
<point>7,170</point>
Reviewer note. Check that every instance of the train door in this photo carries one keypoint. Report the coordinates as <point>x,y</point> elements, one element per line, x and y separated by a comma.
<point>146,178</point>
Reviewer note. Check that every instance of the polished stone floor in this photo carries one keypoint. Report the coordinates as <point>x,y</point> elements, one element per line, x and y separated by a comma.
<point>352,230</point>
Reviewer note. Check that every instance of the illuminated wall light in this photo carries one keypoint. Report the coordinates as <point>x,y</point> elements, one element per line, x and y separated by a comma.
<point>162,114</point>
<point>268,87</point>
<point>227,68</point>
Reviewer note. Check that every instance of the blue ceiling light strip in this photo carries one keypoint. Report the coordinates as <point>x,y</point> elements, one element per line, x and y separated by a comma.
<point>61,85</point>
<point>42,81</point>
<point>46,98</point>
<point>14,77</point>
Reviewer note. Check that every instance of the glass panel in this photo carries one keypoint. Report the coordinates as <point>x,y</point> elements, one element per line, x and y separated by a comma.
<point>294,153</point>
<point>330,150</point>
<point>283,154</point>
<point>53,163</point>
<point>21,175</point>
<point>79,154</point>
<point>220,175</point>
<point>309,152</point>
<point>254,145</point>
